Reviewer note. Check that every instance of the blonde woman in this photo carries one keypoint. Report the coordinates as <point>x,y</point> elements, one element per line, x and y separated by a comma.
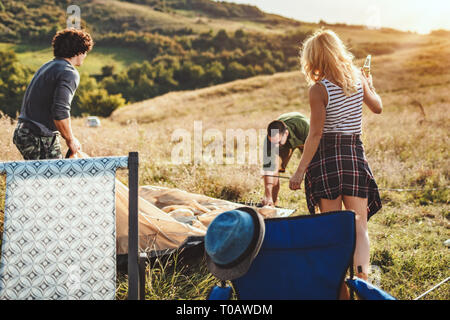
<point>333,163</point>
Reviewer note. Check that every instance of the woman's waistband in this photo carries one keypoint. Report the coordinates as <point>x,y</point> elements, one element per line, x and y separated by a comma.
<point>341,138</point>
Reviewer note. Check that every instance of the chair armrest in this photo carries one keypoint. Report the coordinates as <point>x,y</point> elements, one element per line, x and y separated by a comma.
<point>367,291</point>
<point>220,293</point>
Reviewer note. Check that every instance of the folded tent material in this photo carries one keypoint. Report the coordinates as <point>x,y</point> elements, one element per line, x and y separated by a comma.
<point>167,216</point>
<point>157,229</point>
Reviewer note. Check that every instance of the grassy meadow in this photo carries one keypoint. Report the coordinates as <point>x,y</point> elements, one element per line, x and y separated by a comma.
<point>406,146</point>
<point>34,55</point>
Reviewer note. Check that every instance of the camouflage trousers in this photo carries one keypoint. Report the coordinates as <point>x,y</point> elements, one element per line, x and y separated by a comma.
<point>34,147</point>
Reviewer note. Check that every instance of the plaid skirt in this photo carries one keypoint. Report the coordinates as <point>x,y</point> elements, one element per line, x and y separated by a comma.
<point>339,167</point>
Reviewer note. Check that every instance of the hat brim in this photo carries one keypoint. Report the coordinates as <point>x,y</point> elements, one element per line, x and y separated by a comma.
<point>241,266</point>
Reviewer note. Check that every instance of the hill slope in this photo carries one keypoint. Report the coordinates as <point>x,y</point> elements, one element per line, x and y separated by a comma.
<point>38,19</point>
<point>422,63</point>
<point>198,15</point>
<point>406,146</point>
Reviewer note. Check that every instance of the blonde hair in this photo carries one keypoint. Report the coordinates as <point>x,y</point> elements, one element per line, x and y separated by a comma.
<point>324,55</point>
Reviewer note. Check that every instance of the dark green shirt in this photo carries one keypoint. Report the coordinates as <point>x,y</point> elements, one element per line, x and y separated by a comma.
<point>298,127</point>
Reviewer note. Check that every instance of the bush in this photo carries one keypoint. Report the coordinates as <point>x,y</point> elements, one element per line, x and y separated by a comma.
<point>153,45</point>
<point>13,82</point>
<point>235,70</point>
<point>108,70</point>
<point>213,74</point>
<point>30,20</point>
<point>268,69</point>
<point>99,103</point>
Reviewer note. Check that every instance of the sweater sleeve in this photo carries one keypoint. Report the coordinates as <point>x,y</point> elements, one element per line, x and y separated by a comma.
<point>66,85</point>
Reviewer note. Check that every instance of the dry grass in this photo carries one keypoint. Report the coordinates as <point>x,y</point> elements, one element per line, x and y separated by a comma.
<point>407,147</point>
<point>177,19</point>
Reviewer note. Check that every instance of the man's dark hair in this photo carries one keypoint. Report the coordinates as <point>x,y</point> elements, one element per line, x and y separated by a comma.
<point>276,125</point>
<point>69,43</point>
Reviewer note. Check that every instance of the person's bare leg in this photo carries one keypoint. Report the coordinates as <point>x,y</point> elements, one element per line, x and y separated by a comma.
<point>275,191</point>
<point>362,250</point>
<point>326,205</point>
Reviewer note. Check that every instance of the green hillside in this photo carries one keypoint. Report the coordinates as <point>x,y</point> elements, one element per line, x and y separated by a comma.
<point>406,147</point>
<point>188,16</point>
<point>142,50</point>
<point>37,19</point>
<point>170,63</point>
<point>147,48</point>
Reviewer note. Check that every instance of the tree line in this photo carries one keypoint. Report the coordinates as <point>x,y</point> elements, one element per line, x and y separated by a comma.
<point>173,63</point>
<point>174,59</point>
<point>187,63</point>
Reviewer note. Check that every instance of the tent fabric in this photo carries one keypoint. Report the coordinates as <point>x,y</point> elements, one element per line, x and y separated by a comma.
<point>157,229</point>
<point>59,230</point>
<point>168,216</point>
<point>306,258</point>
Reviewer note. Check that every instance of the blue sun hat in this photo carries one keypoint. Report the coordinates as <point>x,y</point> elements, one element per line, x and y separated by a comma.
<point>232,242</point>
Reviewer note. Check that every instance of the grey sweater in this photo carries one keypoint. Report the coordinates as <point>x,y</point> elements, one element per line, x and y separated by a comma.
<point>49,95</point>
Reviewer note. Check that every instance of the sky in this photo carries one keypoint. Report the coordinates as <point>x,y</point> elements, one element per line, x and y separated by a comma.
<point>420,16</point>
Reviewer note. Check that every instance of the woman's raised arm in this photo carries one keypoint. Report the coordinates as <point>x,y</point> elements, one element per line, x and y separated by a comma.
<point>371,98</point>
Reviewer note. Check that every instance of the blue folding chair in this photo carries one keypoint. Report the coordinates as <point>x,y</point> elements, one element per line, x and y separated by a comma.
<point>303,258</point>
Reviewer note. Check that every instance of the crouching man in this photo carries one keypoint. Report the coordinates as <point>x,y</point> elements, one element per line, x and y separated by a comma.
<point>284,135</point>
<point>45,111</point>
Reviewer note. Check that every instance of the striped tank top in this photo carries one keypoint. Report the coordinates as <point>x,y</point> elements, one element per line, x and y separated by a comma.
<point>344,114</point>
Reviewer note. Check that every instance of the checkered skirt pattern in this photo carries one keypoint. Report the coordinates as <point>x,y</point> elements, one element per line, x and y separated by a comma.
<point>339,167</point>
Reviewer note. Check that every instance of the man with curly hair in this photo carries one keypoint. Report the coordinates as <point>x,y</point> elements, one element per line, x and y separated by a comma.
<point>45,111</point>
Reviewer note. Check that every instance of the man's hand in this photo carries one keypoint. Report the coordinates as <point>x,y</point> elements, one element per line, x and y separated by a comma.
<point>266,201</point>
<point>296,180</point>
<point>74,145</point>
<point>65,128</point>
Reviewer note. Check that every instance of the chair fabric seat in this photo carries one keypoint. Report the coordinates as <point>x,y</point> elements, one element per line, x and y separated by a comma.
<point>301,258</point>
<point>59,239</point>
<point>220,293</point>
